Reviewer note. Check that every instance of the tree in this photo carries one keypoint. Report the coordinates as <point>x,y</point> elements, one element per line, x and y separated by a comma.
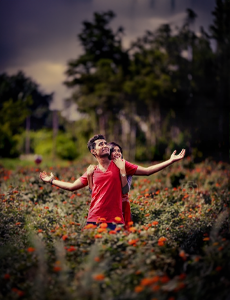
<point>220,32</point>
<point>96,76</point>
<point>20,99</point>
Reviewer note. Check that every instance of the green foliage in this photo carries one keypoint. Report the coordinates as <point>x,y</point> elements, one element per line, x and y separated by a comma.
<point>66,148</point>
<point>131,93</point>
<point>20,99</point>
<point>43,144</point>
<point>12,115</point>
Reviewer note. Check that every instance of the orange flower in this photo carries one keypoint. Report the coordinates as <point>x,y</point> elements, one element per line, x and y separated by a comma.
<point>101,220</point>
<point>161,241</point>
<point>138,289</point>
<point>112,232</point>
<point>98,236</point>
<point>149,281</point>
<point>133,242</point>
<point>118,229</point>
<point>40,230</point>
<point>101,230</point>
<point>18,223</point>
<point>89,226</point>
<point>132,229</point>
<point>147,215</point>
<point>30,249</point>
<point>46,207</point>
<point>218,268</point>
<point>117,219</point>
<point>206,239</point>
<point>183,255</point>
<point>157,192</point>
<point>103,225</point>
<point>99,277</point>
<point>190,216</point>
<point>154,223</point>
<point>97,259</point>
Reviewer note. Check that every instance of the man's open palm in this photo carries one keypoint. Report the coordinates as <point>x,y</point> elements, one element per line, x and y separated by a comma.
<point>45,177</point>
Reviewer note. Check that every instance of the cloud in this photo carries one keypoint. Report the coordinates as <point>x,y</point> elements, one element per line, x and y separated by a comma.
<point>39,37</point>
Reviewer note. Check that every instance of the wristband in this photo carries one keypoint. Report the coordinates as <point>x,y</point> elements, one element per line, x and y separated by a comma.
<point>123,175</point>
<point>51,180</point>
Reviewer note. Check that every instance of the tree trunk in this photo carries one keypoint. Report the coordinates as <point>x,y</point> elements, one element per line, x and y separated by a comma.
<point>55,131</point>
<point>27,135</point>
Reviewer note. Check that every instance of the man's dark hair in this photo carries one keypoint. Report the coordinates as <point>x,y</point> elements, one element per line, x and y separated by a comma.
<point>112,145</point>
<point>91,143</point>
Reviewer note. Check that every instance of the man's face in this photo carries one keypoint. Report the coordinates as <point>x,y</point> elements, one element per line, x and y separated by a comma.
<point>101,148</point>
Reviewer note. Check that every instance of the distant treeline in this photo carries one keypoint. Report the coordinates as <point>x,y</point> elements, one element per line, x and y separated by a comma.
<point>170,89</point>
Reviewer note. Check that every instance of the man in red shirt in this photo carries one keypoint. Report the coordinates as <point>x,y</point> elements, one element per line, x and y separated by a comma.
<point>106,200</point>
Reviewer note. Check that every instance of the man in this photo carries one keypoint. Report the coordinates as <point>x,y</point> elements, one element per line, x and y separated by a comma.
<point>106,203</point>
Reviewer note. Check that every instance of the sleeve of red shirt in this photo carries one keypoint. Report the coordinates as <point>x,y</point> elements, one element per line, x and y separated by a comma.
<point>84,179</point>
<point>130,168</point>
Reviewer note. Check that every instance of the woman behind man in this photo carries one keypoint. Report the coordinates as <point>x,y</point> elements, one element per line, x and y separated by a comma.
<point>116,154</point>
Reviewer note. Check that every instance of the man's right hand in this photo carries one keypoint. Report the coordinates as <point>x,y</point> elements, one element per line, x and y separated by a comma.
<point>46,178</point>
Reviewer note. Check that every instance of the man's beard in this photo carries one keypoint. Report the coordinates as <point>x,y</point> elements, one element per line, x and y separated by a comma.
<point>104,155</point>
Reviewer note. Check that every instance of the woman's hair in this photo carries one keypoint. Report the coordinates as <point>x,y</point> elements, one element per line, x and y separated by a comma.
<point>112,145</point>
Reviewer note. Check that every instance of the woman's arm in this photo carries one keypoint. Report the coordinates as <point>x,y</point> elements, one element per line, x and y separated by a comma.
<point>120,163</point>
<point>76,185</point>
<point>90,171</point>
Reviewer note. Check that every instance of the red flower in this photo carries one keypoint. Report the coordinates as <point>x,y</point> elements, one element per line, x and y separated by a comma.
<point>30,249</point>
<point>65,237</point>
<point>7,276</point>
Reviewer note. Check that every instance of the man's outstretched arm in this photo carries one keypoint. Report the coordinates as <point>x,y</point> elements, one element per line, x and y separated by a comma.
<point>156,168</point>
<point>76,185</point>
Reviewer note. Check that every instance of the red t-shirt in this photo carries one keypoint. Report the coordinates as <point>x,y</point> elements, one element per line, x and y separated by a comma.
<point>106,199</point>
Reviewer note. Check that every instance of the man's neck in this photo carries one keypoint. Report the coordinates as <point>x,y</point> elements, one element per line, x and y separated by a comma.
<point>103,161</point>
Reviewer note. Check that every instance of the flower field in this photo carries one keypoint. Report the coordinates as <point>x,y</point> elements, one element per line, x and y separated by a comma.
<point>177,247</point>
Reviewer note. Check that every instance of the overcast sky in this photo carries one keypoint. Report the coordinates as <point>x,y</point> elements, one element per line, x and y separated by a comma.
<point>40,36</point>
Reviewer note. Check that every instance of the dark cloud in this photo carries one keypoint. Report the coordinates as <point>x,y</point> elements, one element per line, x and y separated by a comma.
<point>42,34</point>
